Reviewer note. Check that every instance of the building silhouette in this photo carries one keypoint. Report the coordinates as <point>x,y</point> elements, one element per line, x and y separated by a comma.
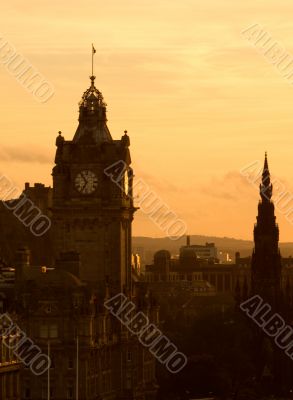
<point>60,280</point>
<point>266,266</point>
<point>265,271</point>
<point>270,280</point>
<point>63,277</point>
<point>10,368</point>
<point>91,213</point>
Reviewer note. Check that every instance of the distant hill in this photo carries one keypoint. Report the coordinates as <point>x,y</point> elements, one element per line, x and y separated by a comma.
<point>150,245</point>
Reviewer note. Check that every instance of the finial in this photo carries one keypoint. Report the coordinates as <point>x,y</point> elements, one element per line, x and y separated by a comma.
<point>266,188</point>
<point>125,139</point>
<point>266,166</point>
<point>92,78</point>
<point>59,140</point>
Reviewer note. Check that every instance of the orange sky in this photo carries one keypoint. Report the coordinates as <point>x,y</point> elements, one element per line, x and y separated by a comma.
<point>198,100</point>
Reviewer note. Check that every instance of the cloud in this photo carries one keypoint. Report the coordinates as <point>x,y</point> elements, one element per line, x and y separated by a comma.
<point>232,186</point>
<point>160,185</point>
<point>25,154</point>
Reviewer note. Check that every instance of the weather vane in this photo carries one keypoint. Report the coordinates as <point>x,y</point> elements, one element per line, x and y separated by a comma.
<point>93,52</point>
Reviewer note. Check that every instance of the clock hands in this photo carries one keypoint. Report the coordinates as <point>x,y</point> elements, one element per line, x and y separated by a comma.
<point>86,182</point>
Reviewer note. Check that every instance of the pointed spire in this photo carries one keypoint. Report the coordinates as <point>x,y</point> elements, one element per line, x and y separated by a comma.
<point>266,188</point>
<point>266,165</point>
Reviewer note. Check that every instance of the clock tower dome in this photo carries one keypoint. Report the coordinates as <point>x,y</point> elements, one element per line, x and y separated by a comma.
<point>92,212</point>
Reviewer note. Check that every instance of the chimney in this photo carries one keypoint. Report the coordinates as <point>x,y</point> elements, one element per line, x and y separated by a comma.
<point>187,240</point>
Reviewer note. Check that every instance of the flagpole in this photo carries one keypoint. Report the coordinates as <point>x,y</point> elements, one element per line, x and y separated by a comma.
<point>92,59</point>
<point>48,385</point>
<point>77,371</point>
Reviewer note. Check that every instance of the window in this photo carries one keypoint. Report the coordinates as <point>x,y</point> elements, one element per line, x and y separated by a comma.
<point>53,331</point>
<point>44,390</point>
<point>43,331</point>
<point>4,351</point>
<point>70,391</point>
<point>7,384</point>
<point>52,361</point>
<point>128,383</point>
<point>49,331</point>
<point>70,363</point>
<point>27,393</point>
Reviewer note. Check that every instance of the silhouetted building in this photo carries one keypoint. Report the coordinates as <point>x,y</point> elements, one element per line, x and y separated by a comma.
<point>271,281</point>
<point>190,267</point>
<point>63,277</point>
<point>206,252</point>
<point>9,372</point>
<point>266,266</point>
<point>15,219</point>
<point>92,213</point>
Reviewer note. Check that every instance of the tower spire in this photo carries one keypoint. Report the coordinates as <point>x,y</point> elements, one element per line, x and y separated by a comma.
<point>92,114</point>
<point>266,262</point>
<point>266,274</point>
<point>266,188</point>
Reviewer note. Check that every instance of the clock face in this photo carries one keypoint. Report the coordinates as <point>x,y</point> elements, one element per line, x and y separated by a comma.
<point>86,182</point>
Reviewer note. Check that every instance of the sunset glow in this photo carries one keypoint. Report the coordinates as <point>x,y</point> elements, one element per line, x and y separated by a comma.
<point>198,100</point>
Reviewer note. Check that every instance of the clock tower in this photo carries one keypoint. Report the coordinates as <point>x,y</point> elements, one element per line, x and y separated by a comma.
<point>92,196</point>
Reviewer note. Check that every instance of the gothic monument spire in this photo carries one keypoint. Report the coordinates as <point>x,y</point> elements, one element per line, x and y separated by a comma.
<point>266,259</point>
